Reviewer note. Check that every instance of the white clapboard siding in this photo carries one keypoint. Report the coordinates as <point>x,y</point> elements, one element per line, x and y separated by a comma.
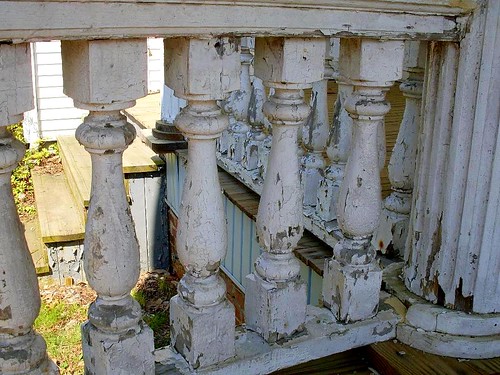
<point>155,64</point>
<point>55,113</point>
<point>242,246</point>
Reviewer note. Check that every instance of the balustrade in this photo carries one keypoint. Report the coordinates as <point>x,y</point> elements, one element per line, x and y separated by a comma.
<point>352,278</point>
<point>22,350</point>
<point>202,320</point>
<point>105,77</point>
<point>446,226</point>
<point>275,295</point>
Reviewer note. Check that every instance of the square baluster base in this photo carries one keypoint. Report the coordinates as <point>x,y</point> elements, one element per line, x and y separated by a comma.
<point>125,353</point>
<point>204,336</point>
<point>275,310</point>
<point>351,292</point>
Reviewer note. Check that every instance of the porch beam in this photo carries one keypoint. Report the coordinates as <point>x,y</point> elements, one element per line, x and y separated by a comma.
<point>416,19</point>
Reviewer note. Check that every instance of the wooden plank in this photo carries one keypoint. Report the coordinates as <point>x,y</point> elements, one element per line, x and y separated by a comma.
<point>146,111</point>
<point>350,362</point>
<point>137,158</point>
<point>60,217</point>
<point>395,358</point>
<point>36,247</point>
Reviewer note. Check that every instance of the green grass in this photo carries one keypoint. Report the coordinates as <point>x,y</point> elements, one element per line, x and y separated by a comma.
<point>59,324</point>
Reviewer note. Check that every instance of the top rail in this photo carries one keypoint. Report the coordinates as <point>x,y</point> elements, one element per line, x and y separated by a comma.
<point>77,19</point>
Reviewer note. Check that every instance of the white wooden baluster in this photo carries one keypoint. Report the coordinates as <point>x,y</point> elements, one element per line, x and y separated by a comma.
<point>202,320</point>
<point>22,350</point>
<point>394,222</point>
<point>352,279</point>
<point>265,145</point>
<point>315,135</point>
<point>104,77</point>
<point>275,296</point>
<point>240,101</point>
<point>338,149</point>
<point>256,135</point>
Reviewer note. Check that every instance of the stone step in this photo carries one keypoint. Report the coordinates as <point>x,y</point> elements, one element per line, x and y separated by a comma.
<point>60,217</point>
<point>137,158</point>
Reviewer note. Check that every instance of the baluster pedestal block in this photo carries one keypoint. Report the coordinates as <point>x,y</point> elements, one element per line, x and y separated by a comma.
<point>275,303</point>
<point>352,279</point>
<point>202,320</point>
<point>105,77</point>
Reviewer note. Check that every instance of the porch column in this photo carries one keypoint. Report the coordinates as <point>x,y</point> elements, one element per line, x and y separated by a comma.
<point>338,149</point>
<point>315,135</point>
<point>452,255</point>
<point>105,77</point>
<point>240,101</point>
<point>275,302</point>
<point>22,350</point>
<point>394,222</point>
<point>202,71</point>
<point>352,279</point>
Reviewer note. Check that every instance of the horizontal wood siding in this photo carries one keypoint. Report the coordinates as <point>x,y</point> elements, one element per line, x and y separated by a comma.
<point>56,113</point>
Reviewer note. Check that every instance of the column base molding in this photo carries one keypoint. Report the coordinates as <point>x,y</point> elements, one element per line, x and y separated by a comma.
<point>129,352</point>
<point>204,336</point>
<point>438,330</point>
<point>276,310</point>
<point>351,292</point>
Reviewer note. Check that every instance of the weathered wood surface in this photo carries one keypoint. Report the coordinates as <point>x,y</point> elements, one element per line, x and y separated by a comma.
<point>395,358</point>
<point>61,218</point>
<point>138,158</point>
<point>403,19</point>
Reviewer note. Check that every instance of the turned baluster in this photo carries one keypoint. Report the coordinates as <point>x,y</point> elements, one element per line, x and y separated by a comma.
<point>395,216</point>
<point>105,77</point>
<point>352,279</point>
<point>202,71</point>
<point>22,350</point>
<point>256,135</point>
<point>240,101</point>
<point>315,135</point>
<point>275,296</point>
<point>170,108</point>
<point>338,148</point>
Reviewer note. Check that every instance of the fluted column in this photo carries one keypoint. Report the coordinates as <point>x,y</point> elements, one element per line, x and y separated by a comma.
<point>22,350</point>
<point>202,320</point>
<point>275,296</point>
<point>104,77</point>
<point>395,216</point>
<point>314,137</point>
<point>240,101</point>
<point>338,149</point>
<point>352,279</point>
<point>256,135</point>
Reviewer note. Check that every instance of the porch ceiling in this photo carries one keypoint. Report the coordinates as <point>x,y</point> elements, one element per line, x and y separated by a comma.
<point>77,19</point>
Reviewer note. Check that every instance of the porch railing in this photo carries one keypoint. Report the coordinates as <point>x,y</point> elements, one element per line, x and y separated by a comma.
<point>446,214</point>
